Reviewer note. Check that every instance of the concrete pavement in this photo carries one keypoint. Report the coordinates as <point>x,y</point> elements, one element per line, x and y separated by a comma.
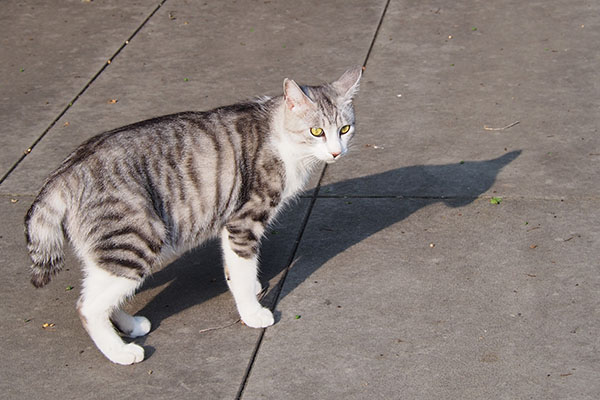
<point>396,278</point>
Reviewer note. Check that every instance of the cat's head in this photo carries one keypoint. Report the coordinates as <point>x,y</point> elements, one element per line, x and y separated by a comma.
<point>320,119</point>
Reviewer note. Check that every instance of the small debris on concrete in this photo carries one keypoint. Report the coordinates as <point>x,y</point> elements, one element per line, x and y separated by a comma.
<point>487,128</point>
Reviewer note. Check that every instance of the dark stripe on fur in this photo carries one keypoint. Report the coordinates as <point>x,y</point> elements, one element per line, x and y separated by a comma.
<point>109,247</point>
<point>111,217</point>
<point>123,262</point>
<point>129,230</point>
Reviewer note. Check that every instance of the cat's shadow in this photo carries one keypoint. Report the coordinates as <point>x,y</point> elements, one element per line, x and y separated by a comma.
<point>198,275</point>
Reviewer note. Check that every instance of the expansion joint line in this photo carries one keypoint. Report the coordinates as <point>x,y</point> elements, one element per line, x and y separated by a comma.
<point>313,199</point>
<point>81,92</point>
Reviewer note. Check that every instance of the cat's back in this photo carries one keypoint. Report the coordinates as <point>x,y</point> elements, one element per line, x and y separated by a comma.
<point>144,135</point>
<point>172,135</point>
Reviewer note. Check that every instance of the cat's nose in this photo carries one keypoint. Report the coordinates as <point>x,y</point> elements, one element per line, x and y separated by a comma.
<point>335,153</point>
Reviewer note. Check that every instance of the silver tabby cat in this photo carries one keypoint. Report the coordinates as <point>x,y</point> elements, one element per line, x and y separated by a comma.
<point>134,198</point>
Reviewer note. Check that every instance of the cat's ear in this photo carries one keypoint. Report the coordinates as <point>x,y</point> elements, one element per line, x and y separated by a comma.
<point>347,85</point>
<point>295,99</point>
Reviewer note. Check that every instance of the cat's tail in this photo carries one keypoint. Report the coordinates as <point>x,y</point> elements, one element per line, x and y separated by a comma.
<point>44,232</point>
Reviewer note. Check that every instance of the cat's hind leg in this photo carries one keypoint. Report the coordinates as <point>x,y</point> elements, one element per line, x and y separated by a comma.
<point>102,294</point>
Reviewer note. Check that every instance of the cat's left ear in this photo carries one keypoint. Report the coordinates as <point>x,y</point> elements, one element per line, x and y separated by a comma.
<point>347,85</point>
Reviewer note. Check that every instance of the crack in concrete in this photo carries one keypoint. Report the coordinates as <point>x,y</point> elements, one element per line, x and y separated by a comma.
<point>291,261</point>
<point>81,92</point>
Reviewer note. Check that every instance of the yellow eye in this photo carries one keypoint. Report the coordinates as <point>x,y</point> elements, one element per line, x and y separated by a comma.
<point>345,129</point>
<point>317,132</point>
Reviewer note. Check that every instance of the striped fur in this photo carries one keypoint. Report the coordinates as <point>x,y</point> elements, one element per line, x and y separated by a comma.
<point>135,197</point>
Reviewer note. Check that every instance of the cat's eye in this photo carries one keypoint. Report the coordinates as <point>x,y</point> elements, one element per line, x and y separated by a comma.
<point>345,129</point>
<point>316,132</point>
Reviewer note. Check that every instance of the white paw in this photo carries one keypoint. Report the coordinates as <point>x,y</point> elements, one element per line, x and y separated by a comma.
<point>261,318</point>
<point>141,327</point>
<point>128,354</point>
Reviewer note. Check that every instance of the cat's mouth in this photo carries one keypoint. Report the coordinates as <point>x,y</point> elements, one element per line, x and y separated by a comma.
<point>334,159</point>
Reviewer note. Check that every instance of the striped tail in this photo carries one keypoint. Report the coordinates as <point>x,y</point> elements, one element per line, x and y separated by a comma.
<point>45,235</point>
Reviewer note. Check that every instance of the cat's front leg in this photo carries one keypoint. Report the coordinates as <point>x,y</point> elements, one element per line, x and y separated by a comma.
<point>241,265</point>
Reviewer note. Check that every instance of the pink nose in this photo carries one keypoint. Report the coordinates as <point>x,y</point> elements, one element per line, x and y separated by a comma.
<point>335,154</point>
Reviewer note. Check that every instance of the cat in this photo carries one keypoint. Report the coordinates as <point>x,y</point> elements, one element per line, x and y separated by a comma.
<point>134,198</point>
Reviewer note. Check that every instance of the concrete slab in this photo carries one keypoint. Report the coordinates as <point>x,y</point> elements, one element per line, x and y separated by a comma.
<point>439,73</point>
<point>50,51</point>
<point>195,57</point>
<point>411,298</point>
<point>184,301</point>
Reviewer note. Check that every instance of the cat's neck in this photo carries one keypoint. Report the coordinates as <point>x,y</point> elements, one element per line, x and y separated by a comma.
<point>299,162</point>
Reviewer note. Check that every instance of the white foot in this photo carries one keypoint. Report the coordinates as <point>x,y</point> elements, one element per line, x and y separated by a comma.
<point>127,354</point>
<point>131,326</point>
<point>261,318</point>
<point>141,328</point>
